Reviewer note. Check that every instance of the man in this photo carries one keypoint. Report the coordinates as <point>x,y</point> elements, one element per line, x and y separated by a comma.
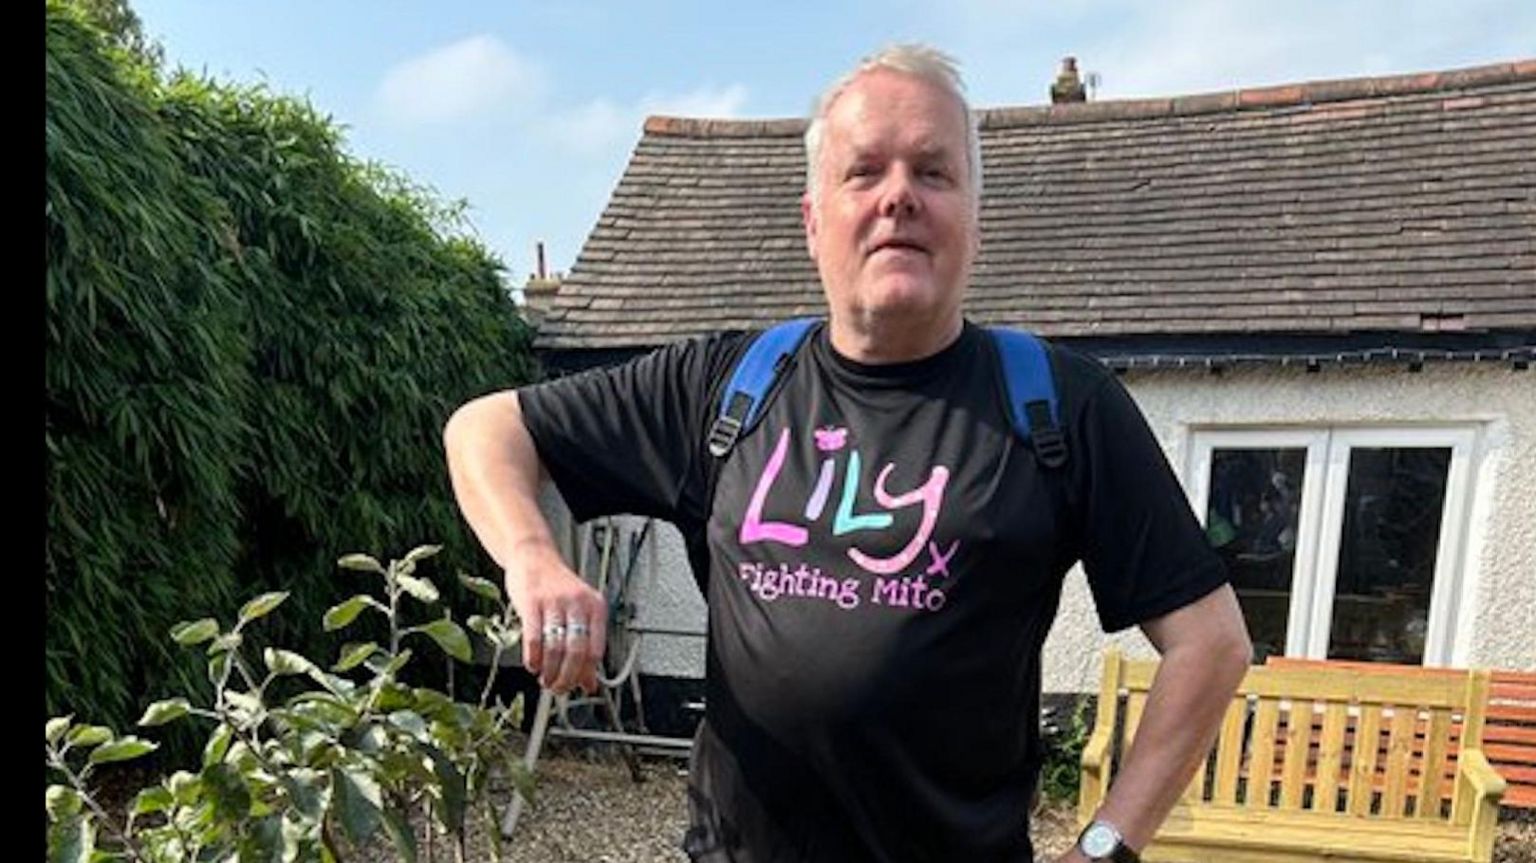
<point>882,556</point>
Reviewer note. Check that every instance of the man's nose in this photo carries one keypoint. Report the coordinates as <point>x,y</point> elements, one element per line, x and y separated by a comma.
<point>899,199</point>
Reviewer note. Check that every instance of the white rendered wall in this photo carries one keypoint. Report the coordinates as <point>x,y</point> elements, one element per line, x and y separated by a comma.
<point>1497,620</point>
<point>1497,623</point>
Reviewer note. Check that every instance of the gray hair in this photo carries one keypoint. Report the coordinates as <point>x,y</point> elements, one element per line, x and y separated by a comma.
<point>921,61</point>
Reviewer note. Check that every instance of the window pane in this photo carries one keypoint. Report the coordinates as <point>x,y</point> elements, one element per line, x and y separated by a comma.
<point>1251,521</point>
<point>1391,533</point>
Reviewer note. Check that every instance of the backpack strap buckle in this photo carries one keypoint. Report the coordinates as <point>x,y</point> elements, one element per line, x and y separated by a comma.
<point>1050,445</point>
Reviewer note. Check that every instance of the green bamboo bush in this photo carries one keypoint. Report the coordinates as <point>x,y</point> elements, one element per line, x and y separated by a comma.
<point>148,383</point>
<point>253,342</point>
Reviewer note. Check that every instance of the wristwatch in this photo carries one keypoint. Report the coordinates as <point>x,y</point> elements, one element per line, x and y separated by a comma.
<point>1101,841</point>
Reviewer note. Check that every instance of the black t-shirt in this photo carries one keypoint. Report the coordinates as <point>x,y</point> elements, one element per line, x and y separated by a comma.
<point>882,558</point>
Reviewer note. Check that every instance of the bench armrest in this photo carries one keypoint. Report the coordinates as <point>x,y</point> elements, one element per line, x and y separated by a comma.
<point>1096,752</point>
<point>1473,767</point>
<point>1094,783</point>
<point>1478,789</point>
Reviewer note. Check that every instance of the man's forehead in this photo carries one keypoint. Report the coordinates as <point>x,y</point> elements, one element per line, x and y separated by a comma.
<point>875,113</point>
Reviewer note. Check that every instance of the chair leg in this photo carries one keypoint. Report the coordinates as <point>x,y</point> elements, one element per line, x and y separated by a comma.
<point>530,758</point>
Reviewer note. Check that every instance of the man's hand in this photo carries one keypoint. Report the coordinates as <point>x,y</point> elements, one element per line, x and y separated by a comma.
<point>565,621</point>
<point>496,474</point>
<point>1073,856</point>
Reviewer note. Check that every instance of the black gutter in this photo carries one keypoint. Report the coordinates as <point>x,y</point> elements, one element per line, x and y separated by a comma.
<point>1413,350</point>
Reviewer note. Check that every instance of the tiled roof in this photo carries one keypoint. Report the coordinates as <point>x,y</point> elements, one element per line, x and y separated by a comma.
<point>1396,204</point>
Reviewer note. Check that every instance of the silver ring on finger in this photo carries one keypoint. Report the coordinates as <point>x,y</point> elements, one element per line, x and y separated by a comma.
<point>554,632</point>
<point>577,630</point>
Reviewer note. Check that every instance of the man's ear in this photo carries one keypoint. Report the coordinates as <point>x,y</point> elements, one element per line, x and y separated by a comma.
<point>808,217</point>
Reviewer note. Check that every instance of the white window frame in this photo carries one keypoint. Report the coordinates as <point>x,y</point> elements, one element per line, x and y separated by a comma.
<point>1319,529</point>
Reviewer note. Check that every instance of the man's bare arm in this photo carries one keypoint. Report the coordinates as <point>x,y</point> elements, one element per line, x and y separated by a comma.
<point>496,475</point>
<point>1205,652</point>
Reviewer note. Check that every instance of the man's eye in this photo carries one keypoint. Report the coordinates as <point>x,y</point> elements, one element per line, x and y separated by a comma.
<point>861,171</point>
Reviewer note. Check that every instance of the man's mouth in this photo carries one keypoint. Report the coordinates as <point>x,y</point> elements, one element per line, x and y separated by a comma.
<point>898,245</point>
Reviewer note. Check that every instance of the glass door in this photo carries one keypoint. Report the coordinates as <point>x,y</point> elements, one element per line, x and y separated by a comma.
<point>1388,569</point>
<point>1258,494</point>
<point>1341,543</point>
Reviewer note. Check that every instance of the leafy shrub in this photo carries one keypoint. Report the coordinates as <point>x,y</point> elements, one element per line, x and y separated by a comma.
<point>295,772</point>
<point>1061,772</point>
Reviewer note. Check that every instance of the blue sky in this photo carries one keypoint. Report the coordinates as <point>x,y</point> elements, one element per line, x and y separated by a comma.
<point>528,109</point>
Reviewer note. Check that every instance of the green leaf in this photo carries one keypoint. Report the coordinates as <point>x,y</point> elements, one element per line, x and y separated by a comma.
<point>227,790</point>
<point>56,727</point>
<point>420,588</point>
<point>400,833</point>
<point>521,777</point>
<point>451,784</point>
<point>338,616</point>
<point>420,553</point>
<point>165,711</point>
<point>188,633</point>
<point>246,709</point>
<point>156,798</point>
<point>352,655</point>
<point>264,843</point>
<point>262,605</point>
<point>481,586</point>
<point>284,662</point>
<point>361,563</point>
<point>218,666</point>
<point>371,739</point>
<point>71,841</point>
<point>218,744</point>
<point>393,696</point>
<point>305,792</point>
<point>184,786</point>
<point>449,637</point>
<point>357,800</point>
<point>62,802</point>
<point>378,664</point>
<point>89,735</point>
<point>410,722</point>
<point>508,637</point>
<point>479,623</point>
<point>123,749</point>
<point>225,643</point>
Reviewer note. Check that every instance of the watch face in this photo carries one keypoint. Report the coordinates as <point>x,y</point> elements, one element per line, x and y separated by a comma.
<point>1099,840</point>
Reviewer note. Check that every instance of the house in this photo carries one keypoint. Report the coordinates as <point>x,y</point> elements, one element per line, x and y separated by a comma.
<point>1322,296</point>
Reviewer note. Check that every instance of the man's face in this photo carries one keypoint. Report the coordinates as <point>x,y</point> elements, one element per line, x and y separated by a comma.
<point>894,232</point>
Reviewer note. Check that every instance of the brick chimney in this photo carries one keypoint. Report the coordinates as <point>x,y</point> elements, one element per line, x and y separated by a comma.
<point>1068,87</point>
<point>539,293</point>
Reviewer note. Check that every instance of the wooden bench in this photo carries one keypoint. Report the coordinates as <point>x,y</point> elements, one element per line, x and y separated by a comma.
<point>1509,728</point>
<point>1262,795</point>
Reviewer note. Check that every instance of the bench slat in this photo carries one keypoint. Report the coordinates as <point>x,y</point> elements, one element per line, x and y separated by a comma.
<point>1298,733</point>
<point>1399,753</point>
<point>1330,758</point>
<point>1229,752</point>
<point>1364,767</point>
<point>1261,768</point>
<point>1437,746</point>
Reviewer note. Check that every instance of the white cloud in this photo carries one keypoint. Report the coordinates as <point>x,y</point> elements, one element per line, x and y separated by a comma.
<point>1010,48</point>
<point>601,127</point>
<point>704,102</point>
<point>472,77</point>
<point>594,127</point>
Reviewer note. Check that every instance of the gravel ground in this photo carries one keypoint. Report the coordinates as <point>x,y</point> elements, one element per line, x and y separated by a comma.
<point>587,809</point>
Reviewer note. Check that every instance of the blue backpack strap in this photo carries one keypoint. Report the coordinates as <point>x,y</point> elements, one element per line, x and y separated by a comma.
<point>745,391</point>
<point>1031,389</point>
